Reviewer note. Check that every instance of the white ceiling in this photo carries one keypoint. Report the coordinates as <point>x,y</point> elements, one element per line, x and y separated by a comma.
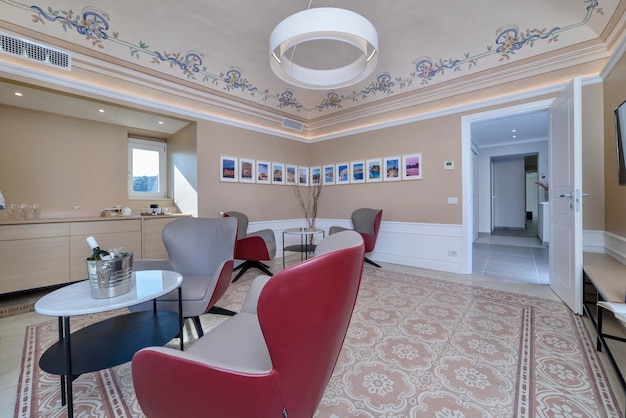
<point>217,52</point>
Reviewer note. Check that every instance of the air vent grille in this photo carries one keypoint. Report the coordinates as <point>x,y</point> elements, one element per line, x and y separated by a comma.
<point>35,52</point>
<point>292,124</point>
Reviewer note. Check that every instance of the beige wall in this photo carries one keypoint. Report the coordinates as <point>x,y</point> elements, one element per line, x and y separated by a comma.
<point>593,158</point>
<point>258,201</point>
<point>424,200</point>
<point>614,94</point>
<point>60,162</point>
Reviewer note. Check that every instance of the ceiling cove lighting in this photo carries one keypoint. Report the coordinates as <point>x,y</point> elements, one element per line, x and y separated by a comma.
<point>323,48</point>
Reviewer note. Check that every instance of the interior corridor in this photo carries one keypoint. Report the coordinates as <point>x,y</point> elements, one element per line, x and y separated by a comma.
<point>512,255</point>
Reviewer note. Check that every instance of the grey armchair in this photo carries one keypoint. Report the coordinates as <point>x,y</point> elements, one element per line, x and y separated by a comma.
<point>202,250</point>
<point>366,222</point>
<point>252,248</point>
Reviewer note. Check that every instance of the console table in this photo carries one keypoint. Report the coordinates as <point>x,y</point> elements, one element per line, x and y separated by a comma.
<point>304,247</point>
<point>113,341</point>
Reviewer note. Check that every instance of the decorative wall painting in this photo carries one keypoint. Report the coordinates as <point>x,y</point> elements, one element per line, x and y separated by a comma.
<point>246,170</point>
<point>411,166</point>
<point>391,168</point>
<point>343,173</point>
<point>357,172</point>
<point>278,173</point>
<point>373,170</point>
<point>263,172</point>
<point>329,174</point>
<point>228,168</point>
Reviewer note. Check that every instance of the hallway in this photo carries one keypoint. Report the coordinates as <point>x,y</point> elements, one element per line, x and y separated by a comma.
<point>512,255</point>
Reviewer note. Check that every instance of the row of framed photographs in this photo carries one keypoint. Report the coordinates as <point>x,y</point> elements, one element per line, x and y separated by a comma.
<point>245,170</point>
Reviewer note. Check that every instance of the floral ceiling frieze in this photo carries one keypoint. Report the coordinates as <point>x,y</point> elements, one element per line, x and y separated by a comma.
<point>94,24</point>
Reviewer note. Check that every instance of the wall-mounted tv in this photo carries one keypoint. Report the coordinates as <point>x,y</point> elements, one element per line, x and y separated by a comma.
<point>620,135</point>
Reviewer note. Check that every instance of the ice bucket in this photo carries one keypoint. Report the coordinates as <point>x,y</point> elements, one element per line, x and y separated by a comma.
<point>110,278</point>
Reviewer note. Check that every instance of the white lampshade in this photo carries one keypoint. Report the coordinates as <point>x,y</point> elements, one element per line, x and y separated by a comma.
<point>324,48</point>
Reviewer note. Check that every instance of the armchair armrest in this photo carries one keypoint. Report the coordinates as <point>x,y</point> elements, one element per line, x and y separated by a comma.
<point>250,302</point>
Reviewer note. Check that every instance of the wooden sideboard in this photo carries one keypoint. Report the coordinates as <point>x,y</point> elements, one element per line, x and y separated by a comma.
<point>43,253</point>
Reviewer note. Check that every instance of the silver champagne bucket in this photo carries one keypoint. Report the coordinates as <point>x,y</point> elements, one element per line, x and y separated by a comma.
<point>110,278</point>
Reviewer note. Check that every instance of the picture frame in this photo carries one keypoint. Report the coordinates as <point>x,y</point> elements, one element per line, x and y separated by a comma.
<point>303,176</point>
<point>246,170</point>
<point>278,173</point>
<point>342,173</point>
<point>229,169</point>
<point>391,168</point>
<point>357,172</point>
<point>412,167</point>
<point>291,174</point>
<point>263,172</point>
<point>316,175</point>
<point>328,173</point>
<point>373,170</point>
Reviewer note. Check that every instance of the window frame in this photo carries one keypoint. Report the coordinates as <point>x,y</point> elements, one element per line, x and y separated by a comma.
<point>148,145</point>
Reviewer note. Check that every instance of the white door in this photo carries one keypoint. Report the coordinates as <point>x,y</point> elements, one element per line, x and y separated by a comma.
<point>565,196</point>
<point>509,184</point>
<point>475,195</point>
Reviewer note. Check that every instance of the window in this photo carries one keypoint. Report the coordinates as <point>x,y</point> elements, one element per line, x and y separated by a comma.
<point>147,176</point>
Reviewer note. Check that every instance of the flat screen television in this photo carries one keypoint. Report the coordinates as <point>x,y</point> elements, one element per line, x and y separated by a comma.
<point>620,136</point>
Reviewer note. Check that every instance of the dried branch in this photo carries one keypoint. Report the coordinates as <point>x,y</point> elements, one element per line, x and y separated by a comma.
<point>309,202</point>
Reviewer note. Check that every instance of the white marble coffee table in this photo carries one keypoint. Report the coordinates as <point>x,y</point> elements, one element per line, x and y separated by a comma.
<point>115,340</point>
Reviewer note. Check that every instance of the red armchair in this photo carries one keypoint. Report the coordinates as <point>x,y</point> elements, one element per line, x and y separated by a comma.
<point>252,248</point>
<point>367,223</point>
<point>274,358</point>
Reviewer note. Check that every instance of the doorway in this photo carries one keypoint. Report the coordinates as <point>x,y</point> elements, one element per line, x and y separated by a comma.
<point>504,242</point>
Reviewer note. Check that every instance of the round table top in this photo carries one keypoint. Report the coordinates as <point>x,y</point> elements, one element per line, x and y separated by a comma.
<point>303,231</point>
<point>76,299</point>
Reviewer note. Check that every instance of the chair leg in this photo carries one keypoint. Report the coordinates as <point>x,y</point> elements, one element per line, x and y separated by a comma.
<point>246,265</point>
<point>221,311</point>
<point>196,322</point>
<point>367,260</point>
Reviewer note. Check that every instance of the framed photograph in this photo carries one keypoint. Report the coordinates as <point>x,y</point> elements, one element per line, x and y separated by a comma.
<point>291,173</point>
<point>342,173</point>
<point>263,172</point>
<point>316,176</point>
<point>357,172</point>
<point>228,168</point>
<point>411,166</point>
<point>278,173</point>
<point>329,174</point>
<point>303,176</point>
<point>373,170</point>
<point>246,170</point>
<point>391,168</point>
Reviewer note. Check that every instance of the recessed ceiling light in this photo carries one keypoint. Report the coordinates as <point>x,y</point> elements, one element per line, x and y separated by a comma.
<point>514,136</point>
<point>18,94</point>
<point>160,122</point>
<point>101,110</point>
<point>514,130</point>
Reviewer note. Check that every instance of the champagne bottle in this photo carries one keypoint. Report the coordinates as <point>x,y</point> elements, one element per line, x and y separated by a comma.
<point>97,253</point>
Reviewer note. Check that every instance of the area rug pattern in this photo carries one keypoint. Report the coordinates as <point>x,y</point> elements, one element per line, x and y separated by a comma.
<point>416,347</point>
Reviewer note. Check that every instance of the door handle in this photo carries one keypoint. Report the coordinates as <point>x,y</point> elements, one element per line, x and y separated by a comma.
<point>585,195</point>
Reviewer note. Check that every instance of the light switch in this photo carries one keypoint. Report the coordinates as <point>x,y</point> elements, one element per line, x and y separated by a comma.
<point>448,165</point>
<point>453,201</point>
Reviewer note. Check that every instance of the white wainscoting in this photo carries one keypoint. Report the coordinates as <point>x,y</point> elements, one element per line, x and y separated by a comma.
<point>431,246</point>
<point>615,246</point>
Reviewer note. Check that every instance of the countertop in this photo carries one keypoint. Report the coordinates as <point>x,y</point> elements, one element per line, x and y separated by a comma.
<point>44,220</point>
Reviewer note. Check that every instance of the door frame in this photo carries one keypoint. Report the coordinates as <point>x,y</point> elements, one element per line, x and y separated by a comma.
<point>467,169</point>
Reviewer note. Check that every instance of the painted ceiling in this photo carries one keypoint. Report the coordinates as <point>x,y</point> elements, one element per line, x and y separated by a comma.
<point>221,48</point>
